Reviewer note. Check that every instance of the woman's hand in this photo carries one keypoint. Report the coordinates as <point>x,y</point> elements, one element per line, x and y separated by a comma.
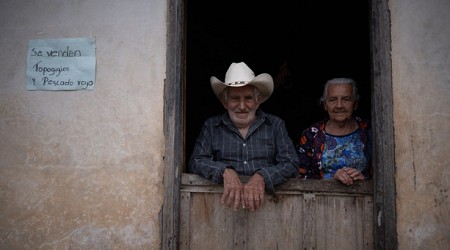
<point>348,175</point>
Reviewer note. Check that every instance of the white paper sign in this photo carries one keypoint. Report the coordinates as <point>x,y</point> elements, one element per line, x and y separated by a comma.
<point>61,64</point>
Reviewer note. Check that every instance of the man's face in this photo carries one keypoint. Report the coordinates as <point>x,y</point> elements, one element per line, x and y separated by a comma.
<point>340,102</point>
<point>241,105</point>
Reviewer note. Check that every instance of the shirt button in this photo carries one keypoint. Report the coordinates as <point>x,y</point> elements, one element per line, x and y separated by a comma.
<point>243,144</point>
<point>245,162</point>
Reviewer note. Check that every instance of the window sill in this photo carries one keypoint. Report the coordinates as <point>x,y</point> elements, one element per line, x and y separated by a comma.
<point>196,183</point>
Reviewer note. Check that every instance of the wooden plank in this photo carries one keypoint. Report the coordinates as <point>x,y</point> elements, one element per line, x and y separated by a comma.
<point>329,223</point>
<point>309,221</point>
<point>321,221</point>
<point>368,226</point>
<point>292,219</point>
<point>185,208</point>
<point>277,225</point>
<point>240,229</point>
<point>359,211</point>
<point>292,186</point>
<point>211,224</point>
<point>349,231</point>
<point>339,225</point>
<point>383,126</point>
<point>216,189</point>
<point>173,129</point>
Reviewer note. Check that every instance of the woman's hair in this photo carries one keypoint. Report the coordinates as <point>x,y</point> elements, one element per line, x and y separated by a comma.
<point>340,81</point>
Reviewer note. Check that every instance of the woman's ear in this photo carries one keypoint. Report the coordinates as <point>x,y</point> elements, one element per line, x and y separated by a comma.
<point>324,106</point>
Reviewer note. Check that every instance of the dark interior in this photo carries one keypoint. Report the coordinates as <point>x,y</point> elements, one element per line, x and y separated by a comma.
<point>318,40</point>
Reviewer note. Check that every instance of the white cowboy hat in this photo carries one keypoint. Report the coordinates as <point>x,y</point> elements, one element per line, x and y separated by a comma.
<point>239,75</point>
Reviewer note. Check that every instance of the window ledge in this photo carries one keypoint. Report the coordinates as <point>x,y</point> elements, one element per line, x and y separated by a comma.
<point>196,183</point>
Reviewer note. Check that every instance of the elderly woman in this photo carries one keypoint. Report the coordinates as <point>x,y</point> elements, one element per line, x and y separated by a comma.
<point>338,147</point>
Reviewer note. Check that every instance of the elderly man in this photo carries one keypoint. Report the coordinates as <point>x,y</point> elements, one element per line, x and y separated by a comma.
<point>244,141</point>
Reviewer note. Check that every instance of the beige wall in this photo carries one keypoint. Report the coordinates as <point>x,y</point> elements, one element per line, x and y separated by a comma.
<point>83,169</point>
<point>421,89</point>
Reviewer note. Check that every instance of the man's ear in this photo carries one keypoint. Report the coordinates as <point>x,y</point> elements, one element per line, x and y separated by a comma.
<point>224,103</point>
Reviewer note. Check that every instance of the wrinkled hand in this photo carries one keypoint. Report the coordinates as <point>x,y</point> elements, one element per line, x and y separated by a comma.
<point>254,193</point>
<point>348,175</point>
<point>232,189</point>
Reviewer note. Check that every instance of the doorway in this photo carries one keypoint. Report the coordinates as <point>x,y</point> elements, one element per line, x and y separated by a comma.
<point>381,113</point>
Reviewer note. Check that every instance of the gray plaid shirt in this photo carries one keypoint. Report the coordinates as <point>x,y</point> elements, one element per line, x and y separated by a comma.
<point>267,150</point>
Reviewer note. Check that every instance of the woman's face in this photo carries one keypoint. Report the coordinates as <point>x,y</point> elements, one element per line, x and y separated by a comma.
<point>340,102</point>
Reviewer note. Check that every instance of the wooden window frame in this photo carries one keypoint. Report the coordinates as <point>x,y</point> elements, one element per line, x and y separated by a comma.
<point>385,234</point>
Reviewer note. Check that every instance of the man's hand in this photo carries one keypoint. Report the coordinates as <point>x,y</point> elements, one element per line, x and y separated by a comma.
<point>232,189</point>
<point>254,193</point>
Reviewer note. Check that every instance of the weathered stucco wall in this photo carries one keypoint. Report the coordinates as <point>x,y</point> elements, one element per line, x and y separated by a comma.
<point>83,169</point>
<point>421,89</point>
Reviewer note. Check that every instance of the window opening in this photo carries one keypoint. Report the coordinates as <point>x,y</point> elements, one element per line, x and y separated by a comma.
<point>317,41</point>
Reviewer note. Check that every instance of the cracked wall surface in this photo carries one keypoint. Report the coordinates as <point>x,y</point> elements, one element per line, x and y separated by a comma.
<point>83,169</point>
<point>421,90</point>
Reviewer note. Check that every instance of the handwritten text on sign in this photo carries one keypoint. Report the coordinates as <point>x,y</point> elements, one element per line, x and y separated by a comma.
<point>61,64</point>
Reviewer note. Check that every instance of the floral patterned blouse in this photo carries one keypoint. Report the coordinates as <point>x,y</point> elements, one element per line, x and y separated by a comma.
<point>322,154</point>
